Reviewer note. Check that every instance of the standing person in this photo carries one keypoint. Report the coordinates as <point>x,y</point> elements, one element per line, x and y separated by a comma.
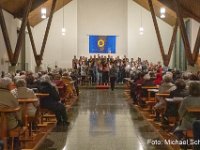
<point>113,74</point>
<point>99,73</point>
<point>105,72</point>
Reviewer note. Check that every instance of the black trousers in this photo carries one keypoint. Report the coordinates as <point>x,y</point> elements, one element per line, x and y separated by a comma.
<point>59,110</point>
<point>112,82</point>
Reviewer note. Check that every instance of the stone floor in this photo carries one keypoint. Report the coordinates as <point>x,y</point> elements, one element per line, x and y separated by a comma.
<point>102,120</point>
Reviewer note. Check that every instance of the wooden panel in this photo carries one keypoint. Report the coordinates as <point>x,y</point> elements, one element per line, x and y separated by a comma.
<point>192,7</point>
<point>189,8</point>
<point>170,14</point>
<point>35,16</point>
<point>13,6</point>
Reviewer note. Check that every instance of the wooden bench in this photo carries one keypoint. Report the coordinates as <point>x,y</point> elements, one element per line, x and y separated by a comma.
<point>4,124</point>
<point>24,102</point>
<point>151,100</point>
<point>39,95</point>
<point>196,111</point>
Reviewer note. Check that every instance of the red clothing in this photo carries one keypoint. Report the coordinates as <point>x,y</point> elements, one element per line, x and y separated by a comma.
<point>158,79</point>
<point>60,83</point>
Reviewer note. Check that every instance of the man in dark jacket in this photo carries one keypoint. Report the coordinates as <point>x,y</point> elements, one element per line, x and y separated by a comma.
<point>52,102</point>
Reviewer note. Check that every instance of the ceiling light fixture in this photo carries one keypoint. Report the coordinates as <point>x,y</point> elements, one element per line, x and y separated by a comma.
<point>43,13</point>
<point>162,12</point>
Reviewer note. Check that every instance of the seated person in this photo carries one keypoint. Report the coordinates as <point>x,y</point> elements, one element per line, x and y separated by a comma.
<point>180,92</point>
<point>136,88</point>
<point>187,119</point>
<point>148,81</point>
<point>158,79</point>
<point>164,88</point>
<point>23,92</point>
<point>59,83</point>
<point>8,100</point>
<point>52,102</point>
<point>70,91</point>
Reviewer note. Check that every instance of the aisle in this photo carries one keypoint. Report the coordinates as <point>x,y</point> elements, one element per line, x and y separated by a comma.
<point>102,120</point>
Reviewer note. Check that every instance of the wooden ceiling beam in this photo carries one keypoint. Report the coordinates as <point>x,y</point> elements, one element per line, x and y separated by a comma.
<point>13,58</point>
<point>157,29</point>
<point>5,35</point>
<point>192,57</point>
<point>165,57</point>
<point>39,57</point>
<point>21,33</point>
<point>48,27</point>
<point>189,14</point>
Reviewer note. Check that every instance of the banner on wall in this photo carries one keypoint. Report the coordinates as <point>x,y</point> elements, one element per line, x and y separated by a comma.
<point>102,44</point>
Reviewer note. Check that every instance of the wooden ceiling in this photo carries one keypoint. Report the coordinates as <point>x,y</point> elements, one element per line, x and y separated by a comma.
<point>170,14</point>
<point>190,8</point>
<point>16,8</point>
<point>35,16</point>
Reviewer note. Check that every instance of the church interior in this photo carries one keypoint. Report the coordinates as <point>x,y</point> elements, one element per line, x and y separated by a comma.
<point>99,75</point>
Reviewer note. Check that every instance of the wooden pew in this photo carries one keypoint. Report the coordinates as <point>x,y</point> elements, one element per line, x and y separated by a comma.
<point>24,102</point>
<point>4,131</point>
<point>39,95</point>
<point>164,95</point>
<point>150,87</point>
<point>150,101</point>
<point>196,111</point>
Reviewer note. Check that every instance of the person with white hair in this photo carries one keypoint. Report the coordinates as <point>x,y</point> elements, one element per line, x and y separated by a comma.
<point>8,100</point>
<point>165,87</point>
<point>21,91</point>
<point>52,102</point>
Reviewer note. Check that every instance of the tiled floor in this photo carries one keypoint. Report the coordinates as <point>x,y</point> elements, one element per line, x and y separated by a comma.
<point>102,120</point>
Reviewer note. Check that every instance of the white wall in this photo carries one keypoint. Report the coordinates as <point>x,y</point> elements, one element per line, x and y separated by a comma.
<point>59,49</point>
<point>12,32</point>
<point>102,17</point>
<point>85,17</point>
<point>145,46</point>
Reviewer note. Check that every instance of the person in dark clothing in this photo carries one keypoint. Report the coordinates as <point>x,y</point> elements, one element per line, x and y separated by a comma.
<point>148,81</point>
<point>181,92</point>
<point>113,74</point>
<point>52,102</point>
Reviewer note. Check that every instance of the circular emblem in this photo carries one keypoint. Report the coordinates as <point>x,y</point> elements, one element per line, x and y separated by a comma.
<point>101,43</point>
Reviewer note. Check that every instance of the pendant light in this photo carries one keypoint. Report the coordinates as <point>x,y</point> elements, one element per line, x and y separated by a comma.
<point>63,30</point>
<point>141,29</point>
